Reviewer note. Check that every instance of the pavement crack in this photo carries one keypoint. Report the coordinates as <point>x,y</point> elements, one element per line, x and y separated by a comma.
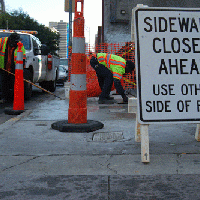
<point>108,165</point>
<point>115,171</point>
<point>7,168</point>
<point>178,163</point>
<point>108,187</point>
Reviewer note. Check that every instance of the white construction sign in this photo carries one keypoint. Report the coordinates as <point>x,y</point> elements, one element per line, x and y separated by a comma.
<point>168,64</point>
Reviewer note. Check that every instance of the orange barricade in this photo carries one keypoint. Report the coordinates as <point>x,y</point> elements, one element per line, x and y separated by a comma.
<point>125,50</point>
<point>77,112</point>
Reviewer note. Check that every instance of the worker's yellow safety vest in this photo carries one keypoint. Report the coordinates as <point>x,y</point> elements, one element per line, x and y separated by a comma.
<point>3,42</point>
<point>114,63</point>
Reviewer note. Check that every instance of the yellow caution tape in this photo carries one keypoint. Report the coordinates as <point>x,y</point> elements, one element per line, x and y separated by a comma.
<point>127,52</point>
<point>128,81</point>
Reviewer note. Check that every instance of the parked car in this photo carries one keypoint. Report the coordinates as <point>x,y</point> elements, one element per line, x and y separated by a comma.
<point>62,75</point>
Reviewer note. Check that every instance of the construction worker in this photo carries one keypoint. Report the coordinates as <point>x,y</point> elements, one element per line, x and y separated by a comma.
<point>8,56</point>
<point>110,68</point>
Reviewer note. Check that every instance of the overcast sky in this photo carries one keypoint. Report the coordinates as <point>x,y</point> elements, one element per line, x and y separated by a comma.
<point>45,11</point>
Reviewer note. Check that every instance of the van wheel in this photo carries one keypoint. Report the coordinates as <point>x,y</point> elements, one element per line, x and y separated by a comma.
<point>51,86</point>
<point>27,86</point>
<point>42,85</point>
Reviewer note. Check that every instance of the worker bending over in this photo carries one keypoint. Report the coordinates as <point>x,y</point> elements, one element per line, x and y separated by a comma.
<point>110,68</point>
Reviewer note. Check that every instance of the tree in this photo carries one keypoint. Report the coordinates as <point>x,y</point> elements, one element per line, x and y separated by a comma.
<point>18,20</point>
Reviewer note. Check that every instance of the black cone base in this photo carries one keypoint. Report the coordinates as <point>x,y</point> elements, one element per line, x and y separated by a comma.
<point>64,126</point>
<point>10,111</point>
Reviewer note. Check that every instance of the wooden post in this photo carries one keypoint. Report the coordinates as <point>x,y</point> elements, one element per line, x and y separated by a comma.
<point>137,131</point>
<point>144,129</point>
<point>132,108</point>
<point>197,134</point>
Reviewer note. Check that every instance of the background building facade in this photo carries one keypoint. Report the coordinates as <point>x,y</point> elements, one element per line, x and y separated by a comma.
<point>61,27</point>
<point>2,6</point>
<point>118,14</point>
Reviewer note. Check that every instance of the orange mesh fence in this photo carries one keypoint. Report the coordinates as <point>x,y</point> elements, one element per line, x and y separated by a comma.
<point>125,50</point>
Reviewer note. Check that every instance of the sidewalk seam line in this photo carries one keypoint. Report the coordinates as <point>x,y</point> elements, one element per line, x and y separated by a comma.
<point>20,163</point>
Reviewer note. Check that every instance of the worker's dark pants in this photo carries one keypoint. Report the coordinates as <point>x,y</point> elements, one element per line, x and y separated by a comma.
<point>105,78</point>
<point>7,86</point>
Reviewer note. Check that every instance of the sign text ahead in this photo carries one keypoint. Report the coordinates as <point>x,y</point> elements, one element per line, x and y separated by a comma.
<point>168,64</point>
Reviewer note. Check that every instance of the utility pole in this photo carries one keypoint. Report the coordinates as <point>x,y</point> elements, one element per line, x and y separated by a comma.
<point>2,6</point>
<point>70,26</point>
<point>102,29</point>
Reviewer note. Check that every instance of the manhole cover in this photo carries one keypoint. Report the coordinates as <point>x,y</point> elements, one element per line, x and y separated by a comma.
<point>117,110</point>
<point>108,137</point>
<point>41,125</point>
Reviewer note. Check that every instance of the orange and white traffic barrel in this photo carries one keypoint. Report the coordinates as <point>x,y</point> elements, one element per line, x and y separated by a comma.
<point>18,103</point>
<point>77,112</point>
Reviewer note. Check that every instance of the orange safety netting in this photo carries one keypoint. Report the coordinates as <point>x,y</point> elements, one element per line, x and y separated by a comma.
<point>125,50</point>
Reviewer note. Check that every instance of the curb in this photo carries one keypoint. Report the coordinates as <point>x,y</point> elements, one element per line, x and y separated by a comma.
<point>14,120</point>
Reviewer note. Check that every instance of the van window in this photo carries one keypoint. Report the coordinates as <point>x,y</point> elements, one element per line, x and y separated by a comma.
<point>25,39</point>
<point>35,45</point>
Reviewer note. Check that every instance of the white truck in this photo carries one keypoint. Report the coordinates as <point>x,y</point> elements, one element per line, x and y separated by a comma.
<point>40,66</point>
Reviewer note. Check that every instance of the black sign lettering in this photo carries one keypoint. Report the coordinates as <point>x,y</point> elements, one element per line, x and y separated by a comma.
<point>158,106</point>
<point>163,24</point>
<point>181,66</point>
<point>183,105</point>
<point>198,105</point>
<point>163,89</point>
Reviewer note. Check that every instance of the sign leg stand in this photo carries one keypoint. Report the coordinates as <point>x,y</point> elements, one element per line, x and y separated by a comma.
<point>197,134</point>
<point>144,143</point>
<point>137,131</point>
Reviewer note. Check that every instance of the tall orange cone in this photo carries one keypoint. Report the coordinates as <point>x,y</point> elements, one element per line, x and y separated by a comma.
<point>77,112</point>
<point>18,103</point>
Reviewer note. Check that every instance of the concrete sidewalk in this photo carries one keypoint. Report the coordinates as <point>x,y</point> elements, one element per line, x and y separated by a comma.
<point>37,162</point>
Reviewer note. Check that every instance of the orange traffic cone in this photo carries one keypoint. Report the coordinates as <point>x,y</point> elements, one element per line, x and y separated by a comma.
<point>77,113</point>
<point>18,103</point>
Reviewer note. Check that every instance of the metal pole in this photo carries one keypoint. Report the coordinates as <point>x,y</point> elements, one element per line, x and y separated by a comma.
<point>102,34</point>
<point>70,25</point>
<point>89,35</point>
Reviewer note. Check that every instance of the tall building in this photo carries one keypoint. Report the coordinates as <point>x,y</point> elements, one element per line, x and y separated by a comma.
<point>2,6</point>
<point>61,27</point>
<point>118,14</point>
